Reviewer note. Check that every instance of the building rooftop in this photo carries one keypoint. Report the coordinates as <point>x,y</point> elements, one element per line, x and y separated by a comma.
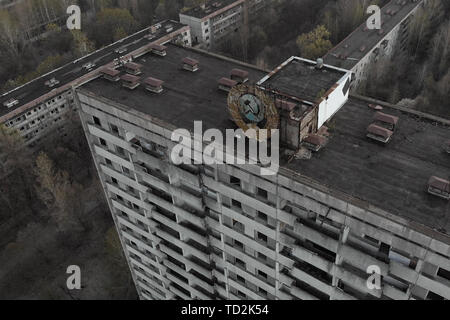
<point>300,78</point>
<point>187,96</point>
<point>211,7</point>
<point>357,45</point>
<point>74,70</point>
<point>391,177</point>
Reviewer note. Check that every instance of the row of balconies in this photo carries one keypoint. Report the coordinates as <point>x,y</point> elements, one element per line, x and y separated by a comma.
<point>31,114</point>
<point>319,237</point>
<point>358,260</point>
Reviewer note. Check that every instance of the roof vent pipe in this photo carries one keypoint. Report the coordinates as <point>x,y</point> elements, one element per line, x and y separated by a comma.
<point>319,63</point>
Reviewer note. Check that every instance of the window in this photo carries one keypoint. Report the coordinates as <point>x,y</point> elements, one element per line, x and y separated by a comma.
<point>262,292</point>
<point>96,121</point>
<point>114,180</point>
<point>240,279</point>
<point>114,129</point>
<point>125,170</point>
<point>262,216</point>
<point>102,142</point>
<point>236,203</point>
<point>261,237</point>
<point>238,244</point>
<point>262,256</point>
<point>238,226</point>
<point>262,274</point>
<point>443,273</point>
<point>384,249</point>
<point>108,162</point>
<point>262,193</point>
<point>235,181</point>
<point>120,150</point>
<point>240,263</point>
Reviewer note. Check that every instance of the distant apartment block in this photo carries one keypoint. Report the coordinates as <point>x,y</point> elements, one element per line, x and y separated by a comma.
<point>340,203</point>
<point>42,105</point>
<point>363,47</point>
<point>211,22</point>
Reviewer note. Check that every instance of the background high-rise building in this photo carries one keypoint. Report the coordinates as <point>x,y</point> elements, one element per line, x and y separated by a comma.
<point>214,20</point>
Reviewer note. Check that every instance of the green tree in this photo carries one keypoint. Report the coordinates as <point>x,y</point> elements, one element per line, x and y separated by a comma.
<point>82,44</point>
<point>59,192</point>
<point>11,144</point>
<point>314,44</point>
<point>119,33</point>
<point>112,244</point>
<point>107,24</point>
<point>9,33</point>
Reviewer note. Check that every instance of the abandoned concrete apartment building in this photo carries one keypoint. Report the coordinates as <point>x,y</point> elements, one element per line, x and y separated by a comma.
<point>212,21</point>
<point>363,47</point>
<point>41,106</point>
<point>370,190</point>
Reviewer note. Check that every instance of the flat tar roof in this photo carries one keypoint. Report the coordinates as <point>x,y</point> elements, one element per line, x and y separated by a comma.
<point>391,177</point>
<point>187,96</point>
<point>75,70</point>
<point>351,46</point>
<point>299,78</point>
<point>211,7</point>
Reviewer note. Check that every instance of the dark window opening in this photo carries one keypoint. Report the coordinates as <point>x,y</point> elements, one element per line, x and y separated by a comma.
<point>236,203</point>
<point>235,181</point>
<point>97,121</point>
<point>261,236</point>
<point>262,193</point>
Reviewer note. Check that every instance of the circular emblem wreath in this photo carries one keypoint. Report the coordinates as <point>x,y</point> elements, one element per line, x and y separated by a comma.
<point>251,108</point>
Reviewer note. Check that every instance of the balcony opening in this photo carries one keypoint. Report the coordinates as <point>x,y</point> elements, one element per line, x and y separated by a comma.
<point>96,121</point>
<point>102,142</point>
<point>236,204</point>
<point>235,181</point>
<point>262,193</point>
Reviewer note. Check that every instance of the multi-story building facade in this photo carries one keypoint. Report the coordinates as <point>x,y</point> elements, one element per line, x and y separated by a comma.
<point>363,47</point>
<point>309,232</point>
<point>44,104</point>
<point>212,21</point>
